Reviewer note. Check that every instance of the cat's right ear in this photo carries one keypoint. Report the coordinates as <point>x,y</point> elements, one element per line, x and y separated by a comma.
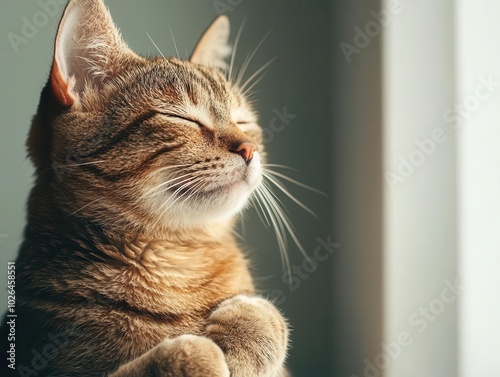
<point>89,50</point>
<point>213,47</point>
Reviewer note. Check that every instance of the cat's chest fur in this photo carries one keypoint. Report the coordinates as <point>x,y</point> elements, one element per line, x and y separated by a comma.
<point>176,277</point>
<point>144,275</point>
<point>141,292</point>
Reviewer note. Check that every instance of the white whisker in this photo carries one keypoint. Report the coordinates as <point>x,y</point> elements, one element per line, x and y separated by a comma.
<point>285,191</point>
<point>244,88</point>
<point>163,56</point>
<point>86,205</point>
<point>84,163</point>
<point>279,166</point>
<point>266,221</point>
<point>249,58</point>
<point>269,171</point>
<point>154,189</point>
<point>156,46</point>
<point>175,44</point>
<point>233,54</point>
<point>195,189</point>
<point>174,198</point>
<point>181,188</point>
<point>242,226</point>
<point>173,167</point>
<point>278,230</point>
<point>286,223</point>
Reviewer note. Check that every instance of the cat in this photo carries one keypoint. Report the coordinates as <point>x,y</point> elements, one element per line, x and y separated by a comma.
<point>129,266</point>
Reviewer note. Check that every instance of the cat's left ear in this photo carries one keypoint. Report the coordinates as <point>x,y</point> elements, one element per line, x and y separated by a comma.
<point>213,48</point>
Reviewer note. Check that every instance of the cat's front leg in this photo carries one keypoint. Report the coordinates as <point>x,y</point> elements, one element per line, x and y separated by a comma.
<point>252,334</point>
<point>184,356</point>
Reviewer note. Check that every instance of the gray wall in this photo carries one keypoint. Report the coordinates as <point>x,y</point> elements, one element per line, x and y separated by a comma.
<point>357,191</point>
<point>334,309</point>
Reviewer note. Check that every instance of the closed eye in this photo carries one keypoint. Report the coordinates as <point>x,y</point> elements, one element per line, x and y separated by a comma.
<point>247,125</point>
<point>190,120</point>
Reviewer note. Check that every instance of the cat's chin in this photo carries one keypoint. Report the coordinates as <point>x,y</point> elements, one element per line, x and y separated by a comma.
<point>210,206</point>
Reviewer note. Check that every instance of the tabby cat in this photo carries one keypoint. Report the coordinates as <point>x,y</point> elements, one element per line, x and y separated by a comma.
<point>129,266</point>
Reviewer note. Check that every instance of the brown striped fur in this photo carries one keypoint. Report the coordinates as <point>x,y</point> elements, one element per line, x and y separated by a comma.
<point>114,276</point>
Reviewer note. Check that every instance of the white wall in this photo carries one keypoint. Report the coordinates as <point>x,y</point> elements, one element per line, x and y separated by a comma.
<point>420,193</point>
<point>478,57</point>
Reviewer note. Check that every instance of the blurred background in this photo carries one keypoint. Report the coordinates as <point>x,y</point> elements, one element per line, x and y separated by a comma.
<point>389,107</point>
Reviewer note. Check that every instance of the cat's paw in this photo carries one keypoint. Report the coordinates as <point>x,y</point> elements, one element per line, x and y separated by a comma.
<point>253,335</point>
<point>189,356</point>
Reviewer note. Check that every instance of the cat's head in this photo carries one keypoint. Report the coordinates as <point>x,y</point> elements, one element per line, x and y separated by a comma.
<point>144,142</point>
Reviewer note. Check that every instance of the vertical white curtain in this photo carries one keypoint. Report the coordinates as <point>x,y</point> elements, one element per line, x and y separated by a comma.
<point>441,74</point>
<point>478,119</point>
<point>420,212</point>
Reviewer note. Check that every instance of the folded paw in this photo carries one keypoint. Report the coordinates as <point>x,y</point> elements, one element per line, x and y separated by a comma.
<point>252,334</point>
<point>184,356</point>
<point>189,356</point>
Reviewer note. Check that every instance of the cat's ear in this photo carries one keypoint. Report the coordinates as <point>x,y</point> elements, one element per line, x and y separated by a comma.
<point>88,50</point>
<point>213,48</point>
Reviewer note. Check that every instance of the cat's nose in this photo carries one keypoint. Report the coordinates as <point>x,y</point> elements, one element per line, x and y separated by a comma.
<point>246,151</point>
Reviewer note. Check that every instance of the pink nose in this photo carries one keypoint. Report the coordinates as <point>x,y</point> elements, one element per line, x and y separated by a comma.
<point>246,151</point>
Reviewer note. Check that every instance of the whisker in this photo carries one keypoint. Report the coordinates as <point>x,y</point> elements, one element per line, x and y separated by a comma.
<point>161,53</point>
<point>156,46</point>
<point>189,182</point>
<point>285,191</point>
<point>174,198</point>
<point>86,205</point>
<point>280,166</point>
<point>84,163</point>
<point>300,184</point>
<point>278,230</point>
<point>258,72</point>
<point>249,58</point>
<point>236,42</point>
<point>168,182</point>
<point>239,236</point>
<point>195,189</point>
<point>242,226</point>
<point>266,194</point>
<point>175,44</point>
<point>285,220</point>
<point>272,196</point>
<point>266,221</point>
<point>176,186</point>
<point>173,166</point>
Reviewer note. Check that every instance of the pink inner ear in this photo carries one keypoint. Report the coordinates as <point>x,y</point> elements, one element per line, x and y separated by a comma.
<point>60,87</point>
